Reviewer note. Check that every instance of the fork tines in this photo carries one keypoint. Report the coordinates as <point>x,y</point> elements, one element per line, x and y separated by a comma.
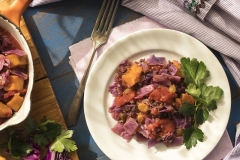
<point>106,16</point>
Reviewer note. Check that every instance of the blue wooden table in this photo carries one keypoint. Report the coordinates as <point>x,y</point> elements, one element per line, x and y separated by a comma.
<point>56,26</point>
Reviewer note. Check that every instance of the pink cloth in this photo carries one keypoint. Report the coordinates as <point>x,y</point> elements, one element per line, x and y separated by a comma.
<point>81,51</point>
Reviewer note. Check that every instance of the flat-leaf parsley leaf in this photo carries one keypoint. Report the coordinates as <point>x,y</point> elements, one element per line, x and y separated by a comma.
<point>191,136</point>
<point>63,142</point>
<point>193,70</point>
<point>205,98</point>
<point>187,109</point>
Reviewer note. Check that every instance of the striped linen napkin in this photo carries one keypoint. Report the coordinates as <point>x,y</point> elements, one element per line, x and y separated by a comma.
<point>215,23</point>
<point>234,154</point>
<point>41,2</point>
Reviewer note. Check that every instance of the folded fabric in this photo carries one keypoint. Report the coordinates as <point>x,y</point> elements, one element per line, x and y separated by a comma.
<point>79,60</point>
<point>80,53</point>
<point>41,2</point>
<point>217,24</point>
<point>234,154</point>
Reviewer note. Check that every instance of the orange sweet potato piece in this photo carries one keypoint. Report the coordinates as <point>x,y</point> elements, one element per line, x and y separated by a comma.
<point>132,76</point>
<point>179,67</point>
<point>177,103</point>
<point>141,117</point>
<point>2,158</point>
<point>15,84</point>
<point>168,125</point>
<point>5,111</point>
<point>16,60</point>
<point>187,98</point>
<point>16,102</point>
<point>177,64</point>
<point>143,107</point>
<point>125,98</point>
<point>161,94</point>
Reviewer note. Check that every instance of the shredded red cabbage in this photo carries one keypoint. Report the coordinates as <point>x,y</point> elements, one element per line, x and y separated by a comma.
<point>14,51</point>
<point>9,45</point>
<point>152,115</point>
<point>51,155</point>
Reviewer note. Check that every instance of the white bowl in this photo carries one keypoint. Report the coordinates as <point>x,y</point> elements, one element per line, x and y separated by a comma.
<point>23,112</point>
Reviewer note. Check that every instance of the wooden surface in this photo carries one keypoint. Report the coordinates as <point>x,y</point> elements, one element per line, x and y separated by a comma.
<point>44,102</point>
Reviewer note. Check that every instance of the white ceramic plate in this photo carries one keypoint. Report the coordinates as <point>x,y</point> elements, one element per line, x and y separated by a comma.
<point>161,42</point>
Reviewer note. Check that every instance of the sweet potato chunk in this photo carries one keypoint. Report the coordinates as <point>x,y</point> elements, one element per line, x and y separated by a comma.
<point>15,84</point>
<point>177,64</point>
<point>16,60</point>
<point>172,88</point>
<point>187,98</point>
<point>5,111</point>
<point>179,67</point>
<point>177,103</point>
<point>125,98</point>
<point>141,117</point>
<point>2,158</point>
<point>132,76</point>
<point>161,94</point>
<point>16,102</point>
<point>142,107</point>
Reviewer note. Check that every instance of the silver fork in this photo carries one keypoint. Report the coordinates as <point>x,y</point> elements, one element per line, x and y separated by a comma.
<point>99,36</point>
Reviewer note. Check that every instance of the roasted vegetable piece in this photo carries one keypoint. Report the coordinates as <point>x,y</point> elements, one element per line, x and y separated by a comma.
<point>187,98</point>
<point>16,60</point>
<point>132,76</point>
<point>141,117</point>
<point>15,84</point>
<point>172,88</point>
<point>2,158</point>
<point>164,126</point>
<point>161,94</point>
<point>143,107</point>
<point>5,111</point>
<point>16,102</point>
<point>179,67</point>
<point>177,103</point>
<point>125,98</point>
<point>177,64</point>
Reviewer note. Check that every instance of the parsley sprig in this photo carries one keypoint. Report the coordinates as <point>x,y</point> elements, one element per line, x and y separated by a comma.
<point>205,96</point>
<point>47,133</point>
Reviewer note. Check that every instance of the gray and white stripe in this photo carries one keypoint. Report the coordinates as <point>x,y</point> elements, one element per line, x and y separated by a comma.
<point>234,154</point>
<point>41,2</point>
<point>217,25</point>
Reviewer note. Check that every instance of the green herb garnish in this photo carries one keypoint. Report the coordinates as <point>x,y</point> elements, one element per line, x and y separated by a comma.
<point>63,142</point>
<point>205,96</point>
<point>46,134</point>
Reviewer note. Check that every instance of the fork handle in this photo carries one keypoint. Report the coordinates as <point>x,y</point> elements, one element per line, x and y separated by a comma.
<point>73,112</point>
